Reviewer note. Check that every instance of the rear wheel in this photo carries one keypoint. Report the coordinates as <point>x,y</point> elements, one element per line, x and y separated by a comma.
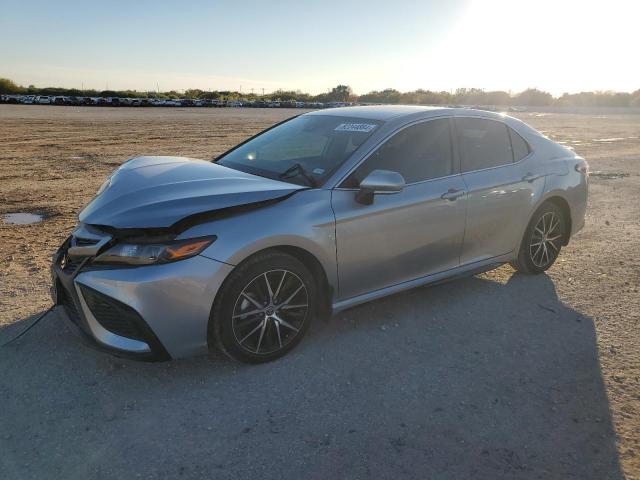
<point>542,240</point>
<point>264,308</point>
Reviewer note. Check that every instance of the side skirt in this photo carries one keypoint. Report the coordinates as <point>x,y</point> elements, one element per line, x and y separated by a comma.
<point>433,279</point>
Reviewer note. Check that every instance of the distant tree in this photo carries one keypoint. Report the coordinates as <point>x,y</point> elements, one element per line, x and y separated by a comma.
<point>596,99</point>
<point>73,92</point>
<point>533,97</point>
<point>388,95</point>
<point>210,95</point>
<point>285,95</point>
<point>341,93</point>
<point>469,96</point>
<point>9,87</point>
<point>193,93</point>
<point>497,98</point>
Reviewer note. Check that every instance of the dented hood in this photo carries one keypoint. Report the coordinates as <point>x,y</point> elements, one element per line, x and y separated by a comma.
<point>157,192</point>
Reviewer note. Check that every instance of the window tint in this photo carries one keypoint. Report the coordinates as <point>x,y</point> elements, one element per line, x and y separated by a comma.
<point>519,146</point>
<point>483,143</point>
<point>420,152</point>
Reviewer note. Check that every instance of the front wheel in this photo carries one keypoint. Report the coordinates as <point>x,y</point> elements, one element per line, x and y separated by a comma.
<point>264,308</point>
<point>542,240</point>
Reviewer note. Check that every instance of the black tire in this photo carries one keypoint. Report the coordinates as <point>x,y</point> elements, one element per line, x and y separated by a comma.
<point>532,257</point>
<point>232,322</point>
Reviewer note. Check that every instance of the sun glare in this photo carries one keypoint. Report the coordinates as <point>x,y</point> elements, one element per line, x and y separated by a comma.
<point>556,46</point>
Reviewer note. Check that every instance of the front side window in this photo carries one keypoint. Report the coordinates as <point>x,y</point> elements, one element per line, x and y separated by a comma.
<point>304,150</point>
<point>420,152</point>
<point>483,143</point>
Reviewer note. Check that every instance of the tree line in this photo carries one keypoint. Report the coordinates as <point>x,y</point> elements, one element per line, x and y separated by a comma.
<point>529,97</point>
<point>343,93</point>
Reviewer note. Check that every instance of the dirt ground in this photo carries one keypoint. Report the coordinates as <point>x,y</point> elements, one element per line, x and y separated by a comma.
<point>574,345</point>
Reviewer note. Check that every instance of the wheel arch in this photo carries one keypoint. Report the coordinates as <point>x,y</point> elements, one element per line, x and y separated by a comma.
<point>564,207</point>
<point>317,270</point>
<point>559,201</point>
<point>309,260</point>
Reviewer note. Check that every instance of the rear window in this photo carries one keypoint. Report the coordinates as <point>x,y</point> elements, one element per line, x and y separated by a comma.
<point>518,145</point>
<point>483,143</point>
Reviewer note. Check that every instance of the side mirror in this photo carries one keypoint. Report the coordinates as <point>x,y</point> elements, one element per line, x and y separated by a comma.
<point>379,181</point>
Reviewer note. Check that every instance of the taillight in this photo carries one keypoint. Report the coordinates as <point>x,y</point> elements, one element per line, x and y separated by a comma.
<point>582,167</point>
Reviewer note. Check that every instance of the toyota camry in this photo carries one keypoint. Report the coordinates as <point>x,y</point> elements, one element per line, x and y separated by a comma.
<point>175,256</point>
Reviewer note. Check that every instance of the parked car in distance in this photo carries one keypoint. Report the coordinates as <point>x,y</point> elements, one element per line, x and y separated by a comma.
<point>17,99</point>
<point>184,102</point>
<point>327,210</point>
<point>72,101</point>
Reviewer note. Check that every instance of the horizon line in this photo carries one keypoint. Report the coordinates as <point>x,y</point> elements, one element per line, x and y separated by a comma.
<point>451,91</point>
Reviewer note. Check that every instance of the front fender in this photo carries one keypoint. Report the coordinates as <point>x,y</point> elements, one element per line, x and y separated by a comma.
<point>305,220</point>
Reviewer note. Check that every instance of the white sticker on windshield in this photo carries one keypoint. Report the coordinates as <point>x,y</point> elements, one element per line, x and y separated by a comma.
<point>318,171</point>
<point>355,127</point>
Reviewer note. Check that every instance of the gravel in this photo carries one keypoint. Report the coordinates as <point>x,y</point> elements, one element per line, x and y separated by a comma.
<point>496,376</point>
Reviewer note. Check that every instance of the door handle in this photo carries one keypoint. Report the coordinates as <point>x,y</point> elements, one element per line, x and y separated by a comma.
<point>452,194</point>
<point>530,177</point>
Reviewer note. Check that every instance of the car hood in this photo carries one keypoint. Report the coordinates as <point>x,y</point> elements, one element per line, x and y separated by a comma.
<point>158,192</point>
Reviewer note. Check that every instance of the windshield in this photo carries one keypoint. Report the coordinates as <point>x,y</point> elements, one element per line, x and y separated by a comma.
<point>304,150</point>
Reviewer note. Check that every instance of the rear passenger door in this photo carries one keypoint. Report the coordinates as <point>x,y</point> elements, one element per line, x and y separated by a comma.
<point>409,234</point>
<point>499,173</point>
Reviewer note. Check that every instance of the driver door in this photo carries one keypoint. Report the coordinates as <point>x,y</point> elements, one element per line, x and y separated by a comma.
<point>405,235</point>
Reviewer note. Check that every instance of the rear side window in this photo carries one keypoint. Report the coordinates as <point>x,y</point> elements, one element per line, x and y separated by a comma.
<point>483,143</point>
<point>420,152</point>
<point>518,145</point>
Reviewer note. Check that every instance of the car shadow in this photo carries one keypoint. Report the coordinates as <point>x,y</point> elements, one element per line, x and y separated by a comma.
<point>477,378</point>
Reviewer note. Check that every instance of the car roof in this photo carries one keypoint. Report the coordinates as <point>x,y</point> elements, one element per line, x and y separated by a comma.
<point>374,112</point>
<point>387,112</point>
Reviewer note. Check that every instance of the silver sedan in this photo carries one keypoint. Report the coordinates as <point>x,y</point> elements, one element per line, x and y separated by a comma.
<point>327,210</point>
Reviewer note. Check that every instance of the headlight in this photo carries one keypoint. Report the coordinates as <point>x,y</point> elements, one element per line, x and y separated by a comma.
<point>154,253</point>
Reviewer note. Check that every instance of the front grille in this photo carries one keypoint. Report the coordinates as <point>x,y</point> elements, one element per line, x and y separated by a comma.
<point>113,315</point>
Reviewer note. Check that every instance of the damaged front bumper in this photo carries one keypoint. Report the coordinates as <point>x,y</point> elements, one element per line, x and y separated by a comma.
<point>153,312</point>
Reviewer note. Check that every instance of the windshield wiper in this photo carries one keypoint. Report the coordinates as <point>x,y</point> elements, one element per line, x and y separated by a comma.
<point>298,170</point>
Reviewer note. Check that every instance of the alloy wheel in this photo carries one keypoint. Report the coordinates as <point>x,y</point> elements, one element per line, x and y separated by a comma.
<point>545,240</point>
<point>270,311</point>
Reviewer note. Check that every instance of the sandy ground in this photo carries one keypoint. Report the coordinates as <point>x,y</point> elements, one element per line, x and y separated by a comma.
<point>496,376</point>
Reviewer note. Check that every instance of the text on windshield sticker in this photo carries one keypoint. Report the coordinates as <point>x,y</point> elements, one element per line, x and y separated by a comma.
<point>355,127</point>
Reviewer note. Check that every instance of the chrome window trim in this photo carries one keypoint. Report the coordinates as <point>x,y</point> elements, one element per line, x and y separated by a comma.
<point>347,189</point>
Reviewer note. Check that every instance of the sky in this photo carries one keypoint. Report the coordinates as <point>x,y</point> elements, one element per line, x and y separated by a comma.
<point>555,45</point>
